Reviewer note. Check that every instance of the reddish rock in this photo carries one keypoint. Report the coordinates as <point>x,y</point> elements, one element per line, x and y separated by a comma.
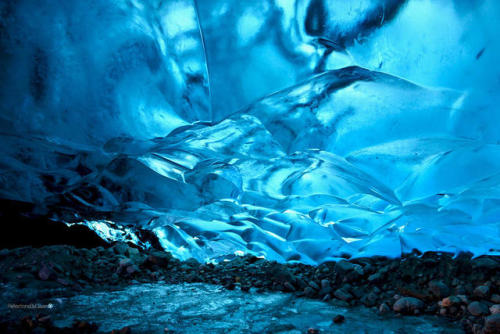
<point>124,330</point>
<point>450,301</point>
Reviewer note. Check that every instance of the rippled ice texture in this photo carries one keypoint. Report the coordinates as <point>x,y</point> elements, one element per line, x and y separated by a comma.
<point>299,130</point>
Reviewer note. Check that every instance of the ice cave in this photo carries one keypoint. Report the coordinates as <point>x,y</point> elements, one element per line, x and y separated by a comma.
<point>250,166</point>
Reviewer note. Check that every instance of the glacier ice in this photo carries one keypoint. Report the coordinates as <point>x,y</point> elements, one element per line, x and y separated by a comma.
<point>90,71</point>
<point>298,130</point>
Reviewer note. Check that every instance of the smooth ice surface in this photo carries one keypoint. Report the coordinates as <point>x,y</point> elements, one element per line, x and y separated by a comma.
<point>298,130</point>
<point>203,308</point>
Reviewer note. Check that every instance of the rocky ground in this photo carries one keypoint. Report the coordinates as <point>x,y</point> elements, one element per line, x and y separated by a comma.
<point>460,289</point>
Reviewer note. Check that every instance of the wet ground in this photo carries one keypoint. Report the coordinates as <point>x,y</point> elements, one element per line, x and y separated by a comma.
<point>204,308</point>
<point>149,290</point>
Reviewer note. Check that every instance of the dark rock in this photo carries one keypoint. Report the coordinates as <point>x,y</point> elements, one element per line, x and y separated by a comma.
<point>477,329</point>
<point>343,295</point>
<point>383,308</point>
<point>132,251</point>
<point>375,277</point>
<point>158,258</point>
<point>485,263</point>
<point>408,305</point>
<point>495,298</point>
<point>62,281</point>
<point>309,292</point>
<point>339,319</point>
<point>344,267</point>
<point>124,330</point>
<point>463,298</point>
<point>482,291</point>
<point>492,324</point>
<point>313,331</point>
<point>439,289</point>
<point>120,248</point>
<point>478,308</point>
<point>245,288</point>
<point>326,289</point>
<point>230,285</point>
<point>369,299</point>
<point>280,273</point>
<point>313,285</point>
<point>46,273</point>
<point>289,287</point>
<point>133,269</point>
<point>84,326</point>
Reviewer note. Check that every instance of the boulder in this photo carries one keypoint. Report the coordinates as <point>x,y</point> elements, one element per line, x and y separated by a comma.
<point>478,308</point>
<point>408,305</point>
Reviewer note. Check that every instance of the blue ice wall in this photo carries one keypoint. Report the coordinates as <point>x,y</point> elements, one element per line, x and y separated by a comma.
<point>87,71</point>
<point>299,130</point>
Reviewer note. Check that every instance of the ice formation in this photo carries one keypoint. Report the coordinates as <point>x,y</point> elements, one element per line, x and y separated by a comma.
<point>298,130</point>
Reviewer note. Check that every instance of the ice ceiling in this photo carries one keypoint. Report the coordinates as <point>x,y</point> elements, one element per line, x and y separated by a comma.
<point>299,130</point>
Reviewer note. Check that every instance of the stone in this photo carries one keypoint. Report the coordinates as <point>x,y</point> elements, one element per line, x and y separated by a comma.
<point>463,298</point>
<point>375,277</point>
<point>344,266</point>
<point>62,281</point>
<point>482,291</point>
<point>289,287</point>
<point>120,248</point>
<point>485,263</point>
<point>313,285</point>
<point>309,292</point>
<point>125,262</point>
<point>439,289</point>
<point>124,330</point>
<point>132,269</point>
<point>369,299</point>
<point>450,301</point>
<point>495,309</point>
<point>338,319</point>
<point>477,308</point>
<point>343,295</point>
<point>45,273</point>
<point>492,324</point>
<point>132,251</point>
<point>408,305</point>
<point>383,308</point>
<point>325,287</point>
<point>159,259</point>
<point>495,298</point>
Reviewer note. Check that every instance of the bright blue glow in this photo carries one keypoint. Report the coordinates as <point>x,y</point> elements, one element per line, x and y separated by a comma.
<point>296,130</point>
